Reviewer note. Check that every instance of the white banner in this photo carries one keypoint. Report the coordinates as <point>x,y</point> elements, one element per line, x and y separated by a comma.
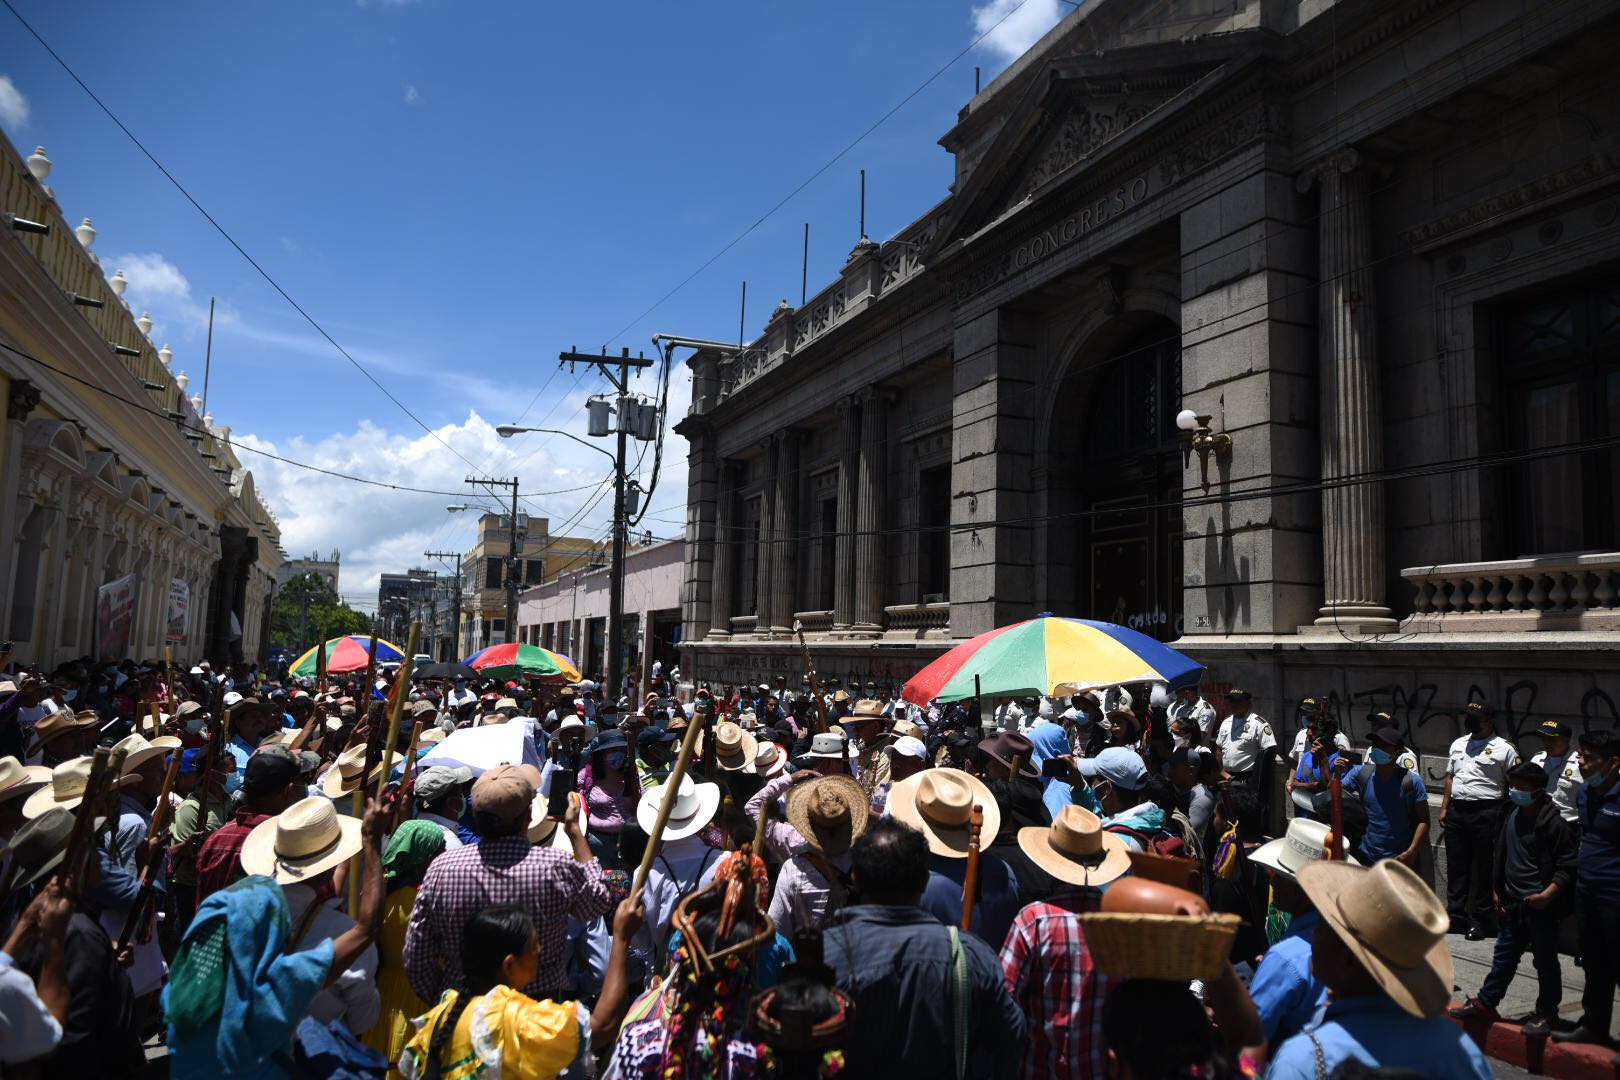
<point>179,611</point>
<point>115,616</point>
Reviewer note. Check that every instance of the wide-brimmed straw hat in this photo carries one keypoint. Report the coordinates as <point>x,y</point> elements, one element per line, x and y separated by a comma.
<point>304,840</point>
<point>546,832</point>
<point>138,749</point>
<point>903,728</point>
<point>17,779</point>
<point>60,723</point>
<point>346,772</point>
<point>940,802</point>
<point>865,709</point>
<point>1076,849</point>
<point>734,748</point>
<point>769,760</point>
<point>695,806</point>
<point>1305,842</point>
<point>1392,923</point>
<point>66,789</point>
<point>829,812</point>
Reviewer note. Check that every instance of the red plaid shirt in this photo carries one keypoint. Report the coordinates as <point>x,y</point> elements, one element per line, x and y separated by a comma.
<point>1050,975</point>
<point>219,860</point>
<point>459,884</point>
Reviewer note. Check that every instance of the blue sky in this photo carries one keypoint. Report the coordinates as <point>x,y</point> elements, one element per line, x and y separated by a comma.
<point>458,190</point>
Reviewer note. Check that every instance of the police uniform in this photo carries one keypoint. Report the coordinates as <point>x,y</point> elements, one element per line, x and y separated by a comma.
<point>1302,743</point>
<point>1197,712</point>
<point>1243,744</point>
<point>1564,782</point>
<point>1477,770</point>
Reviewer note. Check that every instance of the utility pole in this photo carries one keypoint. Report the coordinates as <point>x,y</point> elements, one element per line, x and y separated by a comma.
<point>455,633</point>
<point>620,378</point>
<point>511,552</point>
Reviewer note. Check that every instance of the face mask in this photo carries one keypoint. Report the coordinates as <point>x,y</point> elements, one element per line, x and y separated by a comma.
<point>69,695</point>
<point>1594,776</point>
<point>1181,742</point>
<point>1522,798</point>
<point>195,724</point>
<point>614,759</point>
<point>1380,756</point>
<point>1082,721</point>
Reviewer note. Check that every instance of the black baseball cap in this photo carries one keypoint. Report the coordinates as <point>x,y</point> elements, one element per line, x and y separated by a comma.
<point>1552,729</point>
<point>271,768</point>
<point>1388,736</point>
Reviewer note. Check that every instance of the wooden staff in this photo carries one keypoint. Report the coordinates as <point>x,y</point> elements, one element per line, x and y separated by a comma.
<point>759,828</point>
<point>810,674</point>
<point>156,716</point>
<point>79,838</point>
<point>160,824</point>
<point>168,677</point>
<point>1016,765</point>
<point>970,879</point>
<point>1335,852</point>
<point>402,680</point>
<point>320,668</point>
<point>666,805</point>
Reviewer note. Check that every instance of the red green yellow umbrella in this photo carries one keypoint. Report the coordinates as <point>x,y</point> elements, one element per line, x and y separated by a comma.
<point>347,653</point>
<point>1048,655</point>
<point>515,661</point>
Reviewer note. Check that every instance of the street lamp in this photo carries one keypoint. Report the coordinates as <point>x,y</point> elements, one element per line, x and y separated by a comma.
<point>506,431</point>
<point>511,548</point>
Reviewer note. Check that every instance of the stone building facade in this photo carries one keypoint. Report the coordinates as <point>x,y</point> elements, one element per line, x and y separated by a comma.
<point>327,569</point>
<point>1374,244</point>
<point>107,469</point>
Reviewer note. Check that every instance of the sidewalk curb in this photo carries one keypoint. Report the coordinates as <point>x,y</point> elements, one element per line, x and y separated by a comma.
<point>1568,1061</point>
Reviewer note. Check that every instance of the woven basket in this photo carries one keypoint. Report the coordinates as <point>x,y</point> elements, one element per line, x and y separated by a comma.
<point>1176,948</point>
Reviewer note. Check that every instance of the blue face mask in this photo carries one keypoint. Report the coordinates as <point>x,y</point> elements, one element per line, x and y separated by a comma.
<point>1522,798</point>
<point>1380,756</point>
<point>614,759</point>
<point>69,695</point>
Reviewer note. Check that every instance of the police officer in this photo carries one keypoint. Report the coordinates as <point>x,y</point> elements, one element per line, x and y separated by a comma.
<point>1191,708</point>
<point>1471,809</point>
<point>1308,719</point>
<point>1245,740</point>
<point>1562,769</point>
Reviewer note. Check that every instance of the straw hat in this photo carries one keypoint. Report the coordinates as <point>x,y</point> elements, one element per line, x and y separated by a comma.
<point>306,839</point>
<point>346,772</point>
<point>546,832</point>
<point>1304,842</point>
<point>940,803</point>
<point>734,748</point>
<point>1076,849</point>
<point>865,709</point>
<point>17,779</point>
<point>66,789</point>
<point>695,806</point>
<point>769,760</point>
<point>829,812</point>
<point>1393,923</point>
<point>431,736</point>
<point>903,728</point>
<point>60,723</point>
<point>138,749</point>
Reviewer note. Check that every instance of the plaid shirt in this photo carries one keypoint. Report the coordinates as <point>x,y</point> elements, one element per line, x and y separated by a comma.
<point>1050,975</point>
<point>219,860</point>
<point>461,883</point>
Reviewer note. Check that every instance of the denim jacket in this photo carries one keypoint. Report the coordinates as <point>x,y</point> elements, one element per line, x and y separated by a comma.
<point>896,963</point>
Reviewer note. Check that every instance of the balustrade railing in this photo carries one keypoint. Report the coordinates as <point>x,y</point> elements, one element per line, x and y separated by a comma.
<point>1552,592</point>
<point>917,621</point>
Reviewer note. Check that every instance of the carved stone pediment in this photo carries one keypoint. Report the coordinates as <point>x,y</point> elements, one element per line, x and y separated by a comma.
<point>1079,131</point>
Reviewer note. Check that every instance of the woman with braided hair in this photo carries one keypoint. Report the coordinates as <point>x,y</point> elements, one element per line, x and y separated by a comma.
<point>488,1029</point>
<point>700,1031</point>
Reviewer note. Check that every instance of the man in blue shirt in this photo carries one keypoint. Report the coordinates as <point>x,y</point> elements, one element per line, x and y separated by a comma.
<point>1285,990</point>
<point>1381,949</point>
<point>1396,801</point>
<point>1597,885</point>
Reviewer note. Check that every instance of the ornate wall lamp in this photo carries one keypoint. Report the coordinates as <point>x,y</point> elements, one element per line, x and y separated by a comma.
<point>1196,436</point>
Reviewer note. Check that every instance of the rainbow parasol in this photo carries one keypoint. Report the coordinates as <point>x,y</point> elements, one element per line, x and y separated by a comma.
<point>1048,655</point>
<point>347,653</point>
<point>512,661</point>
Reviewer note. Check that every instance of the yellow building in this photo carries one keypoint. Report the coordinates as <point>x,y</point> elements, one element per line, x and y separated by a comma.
<point>117,496</point>
<point>541,557</point>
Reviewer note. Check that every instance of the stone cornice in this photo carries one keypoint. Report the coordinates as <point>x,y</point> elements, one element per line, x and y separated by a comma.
<point>1500,208</point>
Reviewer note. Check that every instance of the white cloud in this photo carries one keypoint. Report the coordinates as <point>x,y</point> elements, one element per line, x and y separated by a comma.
<point>411,95</point>
<point>152,277</point>
<point>1017,24</point>
<point>13,106</point>
<point>380,530</point>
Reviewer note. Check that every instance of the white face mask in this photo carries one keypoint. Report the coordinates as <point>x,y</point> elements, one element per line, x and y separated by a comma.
<point>194,723</point>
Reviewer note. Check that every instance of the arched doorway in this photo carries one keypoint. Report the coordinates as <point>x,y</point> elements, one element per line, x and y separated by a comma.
<point>1114,483</point>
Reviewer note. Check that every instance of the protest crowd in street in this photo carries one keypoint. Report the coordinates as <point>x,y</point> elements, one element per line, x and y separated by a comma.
<point>236,875</point>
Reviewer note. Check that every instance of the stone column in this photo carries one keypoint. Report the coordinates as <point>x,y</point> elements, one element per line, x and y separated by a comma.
<point>784,533</point>
<point>844,555</point>
<point>698,555</point>
<point>726,544</point>
<point>762,560</point>
<point>869,500</point>
<point>1351,430</point>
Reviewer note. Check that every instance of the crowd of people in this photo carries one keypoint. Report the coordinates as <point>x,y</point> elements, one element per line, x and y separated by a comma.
<point>763,882</point>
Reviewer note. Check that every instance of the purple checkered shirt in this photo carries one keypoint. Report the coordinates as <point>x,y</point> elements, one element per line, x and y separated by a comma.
<point>461,883</point>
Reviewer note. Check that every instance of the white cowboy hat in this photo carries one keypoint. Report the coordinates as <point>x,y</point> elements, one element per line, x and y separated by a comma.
<point>1304,842</point>
<point>695,806</point>
<point>769,760</point>
<point>1392,923</point>
<point>17,779</point>
<point>66,789</point>
<point>546,832</point>
<point>1076,849</point>
<point>345,774</point>
<point>138,749</point>
<point>940,803</point>
<point>304,840</point>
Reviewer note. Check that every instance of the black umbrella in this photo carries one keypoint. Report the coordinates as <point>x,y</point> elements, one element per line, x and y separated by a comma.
<point>452,670</point>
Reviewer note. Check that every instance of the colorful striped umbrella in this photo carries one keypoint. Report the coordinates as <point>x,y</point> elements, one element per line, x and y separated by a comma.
<point>347,653</point>
<point>513,661</point>
<point>1048,655</point>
